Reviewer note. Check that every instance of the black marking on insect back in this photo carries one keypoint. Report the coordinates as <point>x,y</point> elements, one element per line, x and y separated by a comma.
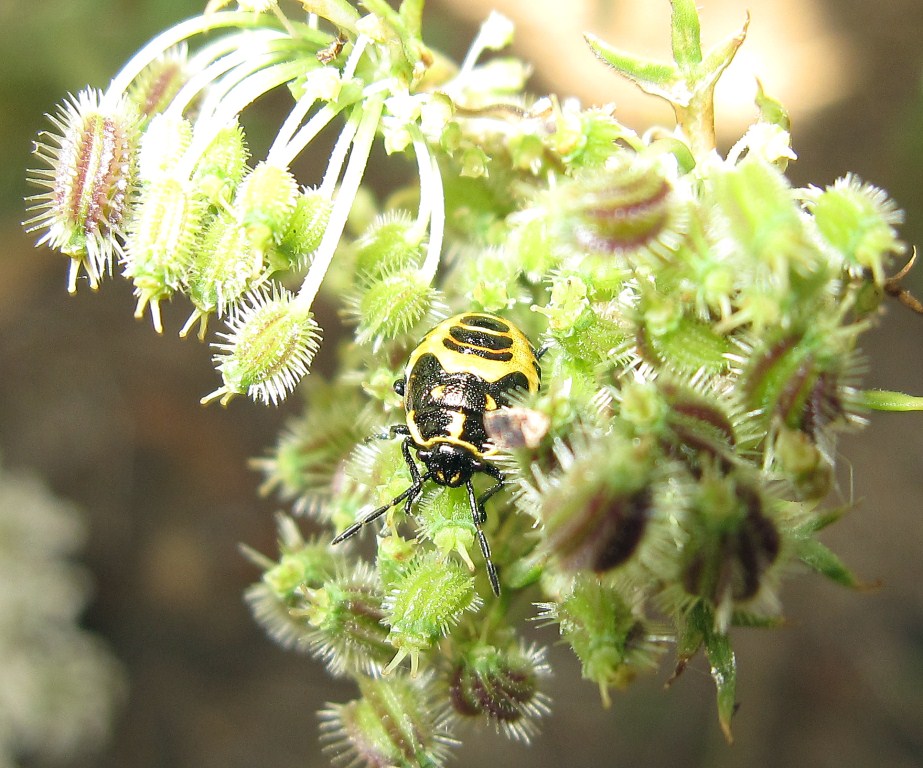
<point>487,322</point>
<point>487,354</point>
<point>476,338</point>
<point>451,406</point>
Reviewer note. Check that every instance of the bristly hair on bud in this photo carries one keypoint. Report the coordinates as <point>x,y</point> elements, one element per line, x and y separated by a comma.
<point>90,180</point>
<point>425,601</point>
<point>162,242</point>
<point>154,89</point>
<point>346,619</point>
<point>502,686</point>
<point>396,722</point>
<point>859,221</point>
<point>271,342</point>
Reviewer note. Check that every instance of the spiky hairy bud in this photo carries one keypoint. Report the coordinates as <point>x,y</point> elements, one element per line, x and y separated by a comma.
<point>501,685</point>
<point>154,89</point>
<point>390,307</point>
<point>596,508</point>
<point>271,341</point>
<point>628,208</point>
<point>611,641</point>
<point>859,221</point>
<point>162,242</point>
<point>733,540</point>
<point>425,601</point>
<point>304,232</point>
<point>165,141</point>
<point>91,158</point>
<point>392,243</point>
<point>346,616</point>
<point>221,168</point>
<point>223,268</point>
<point>264,204</point>
<point>445,519</point>
<point>396,722</point>
<point>307,465</point>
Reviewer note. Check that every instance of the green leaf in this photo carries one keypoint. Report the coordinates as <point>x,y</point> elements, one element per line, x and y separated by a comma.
<point>771,110</point>
<point>651,76</point>
<point>686,38</point>
<point>724,673</point>
<point>883,400</point>
<point>699,629</point>
<point>821,559</point>
<point>720,57</point>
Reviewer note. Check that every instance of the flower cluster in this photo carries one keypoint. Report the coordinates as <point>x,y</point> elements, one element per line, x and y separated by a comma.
<point>699,317</point>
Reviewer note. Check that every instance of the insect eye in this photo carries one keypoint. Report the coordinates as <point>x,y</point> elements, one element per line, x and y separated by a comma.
<point>399,386</point>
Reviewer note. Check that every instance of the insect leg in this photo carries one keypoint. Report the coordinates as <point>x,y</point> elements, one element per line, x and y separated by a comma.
<point>379,511</point>
<point>477,513</point>
<point>498,476</point>
<point>410,494</point>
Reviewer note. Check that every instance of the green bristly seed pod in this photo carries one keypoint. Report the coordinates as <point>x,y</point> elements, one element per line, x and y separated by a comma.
<point>425,601</point>
<point>271,342</point>
<point>89,182</point>
<point>264,204</point>
<point>733,541</point>
<point>390,307</point>
<point>220,169</point>
<point>155,87</point>
<point>304,232</point>
<point>224,267</point>
<point>501,686</point>
<point>162,242</point>
<point>347,617</point>
<point>396,722</point>
<point>391,244</point>
<point>859,221</point>
<point>610,640</point>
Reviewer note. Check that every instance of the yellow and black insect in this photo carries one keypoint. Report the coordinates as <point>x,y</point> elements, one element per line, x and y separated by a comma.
<point>463,368</point>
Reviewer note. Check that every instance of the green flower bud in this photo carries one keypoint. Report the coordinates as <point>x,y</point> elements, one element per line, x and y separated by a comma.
<point>501,686</point>
<point>305,230</point>
<point>390,307</point>
<point>804,379</point>
<point>154,89</point>
<point>426,600</point>
<point>162,243</point>
<point>732,543</point>
<point>307,465</point>
<point>668,337</point>
<point>88,184</point>
<point>224,267</point>
<point>391,244</point>
<point>612,643</point>
<point>220,169</point>
<point>595,509</point>
<point>264,204</point>
<point>859,221</point>
<point>628,209</point>
<point>759,213</point>
<point>396,722</point>
<point>269,348</point>
<point>445,519</point>
<point>301,565</point>
<point>346,616</point>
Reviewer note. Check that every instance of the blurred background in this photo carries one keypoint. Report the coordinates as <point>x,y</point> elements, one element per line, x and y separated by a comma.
<point>106,414</point>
